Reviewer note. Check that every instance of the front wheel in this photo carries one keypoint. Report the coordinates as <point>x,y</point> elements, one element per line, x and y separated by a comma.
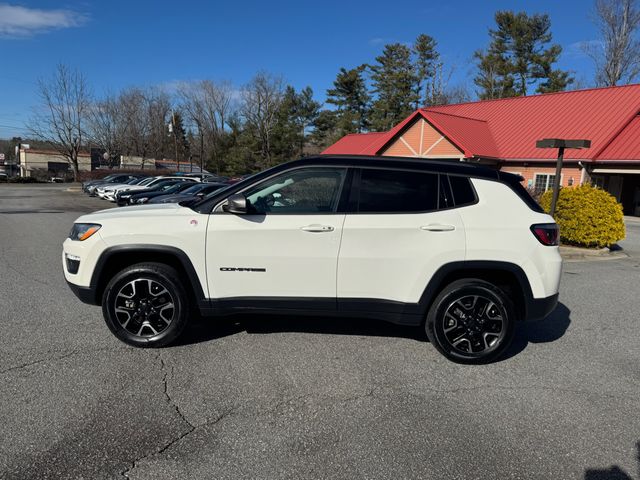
<point>471,321</point>
<point>145,305</point>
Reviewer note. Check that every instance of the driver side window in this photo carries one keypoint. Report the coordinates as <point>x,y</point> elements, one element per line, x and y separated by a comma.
<point>301,191</point>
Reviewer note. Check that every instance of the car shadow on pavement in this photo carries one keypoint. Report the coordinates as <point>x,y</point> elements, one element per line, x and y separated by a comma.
<point>206,329</point>
<point>612,473</point>
<point>549,329</point>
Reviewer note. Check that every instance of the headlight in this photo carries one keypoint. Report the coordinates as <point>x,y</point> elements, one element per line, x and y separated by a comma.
<point>142,200</point>
<point>82,231</point>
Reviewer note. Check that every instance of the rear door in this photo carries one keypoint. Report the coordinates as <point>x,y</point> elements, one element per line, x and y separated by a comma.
<point>399,230</point>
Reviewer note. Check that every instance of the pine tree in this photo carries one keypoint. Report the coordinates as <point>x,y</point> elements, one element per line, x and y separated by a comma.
<point>296,113</point>
<point>519,56</point>
<point>307,112</point>
<point>325,129</point>
<point>394,79</point>
<point>352,100</point>
<point>427,62</point>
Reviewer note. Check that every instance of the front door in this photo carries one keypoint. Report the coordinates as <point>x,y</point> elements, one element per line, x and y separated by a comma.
<point>286,246</point>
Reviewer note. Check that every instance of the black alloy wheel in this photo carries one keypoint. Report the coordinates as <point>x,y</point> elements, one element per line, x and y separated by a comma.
<point>471,321</point>
<point>145,305</point>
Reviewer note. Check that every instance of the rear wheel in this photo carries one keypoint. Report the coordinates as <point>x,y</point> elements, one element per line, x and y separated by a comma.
<point>145,305</point>
<point>471,321</point>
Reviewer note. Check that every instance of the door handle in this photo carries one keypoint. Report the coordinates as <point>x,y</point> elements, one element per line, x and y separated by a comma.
<point>317,228</point>
<point>437,227</point>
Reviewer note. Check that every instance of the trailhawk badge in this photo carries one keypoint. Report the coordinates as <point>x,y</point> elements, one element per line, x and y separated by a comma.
<point>242,269</point>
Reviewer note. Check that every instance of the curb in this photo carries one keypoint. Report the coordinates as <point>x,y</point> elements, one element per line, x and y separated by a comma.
<point>576,254</point>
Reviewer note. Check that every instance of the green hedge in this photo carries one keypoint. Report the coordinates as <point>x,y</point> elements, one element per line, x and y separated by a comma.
<point>587,216</point>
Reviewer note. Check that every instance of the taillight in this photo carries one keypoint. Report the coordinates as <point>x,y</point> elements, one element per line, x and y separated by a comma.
<point>546,233</point>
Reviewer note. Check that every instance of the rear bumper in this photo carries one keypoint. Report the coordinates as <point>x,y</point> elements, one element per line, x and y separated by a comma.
<point>539,308</point>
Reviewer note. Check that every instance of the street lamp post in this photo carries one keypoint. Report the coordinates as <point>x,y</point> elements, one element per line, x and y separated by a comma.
<point>561,145</point>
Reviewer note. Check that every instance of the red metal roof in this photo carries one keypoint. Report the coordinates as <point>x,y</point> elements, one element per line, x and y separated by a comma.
<point>625,146</point>
<point>356,144</point>
<point>508,128</point>
<point>473,136</point>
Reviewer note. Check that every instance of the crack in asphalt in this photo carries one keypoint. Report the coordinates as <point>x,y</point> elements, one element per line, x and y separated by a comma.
<point>299,401</point>
<point>190,426</point>
<point>50,359</point>
<point>275,409</point>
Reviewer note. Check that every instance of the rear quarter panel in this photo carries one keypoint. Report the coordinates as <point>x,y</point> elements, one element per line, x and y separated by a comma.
<point>498,228</point>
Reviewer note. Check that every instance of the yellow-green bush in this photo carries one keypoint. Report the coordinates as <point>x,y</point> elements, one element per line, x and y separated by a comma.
<point>587,216</point>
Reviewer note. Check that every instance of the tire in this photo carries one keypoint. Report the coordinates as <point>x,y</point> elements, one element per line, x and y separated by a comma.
<point>471,331</point>
<point>145,305</point>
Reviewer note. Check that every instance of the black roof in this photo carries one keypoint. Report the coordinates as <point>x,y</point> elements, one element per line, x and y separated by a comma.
<point>425,164</point>
<point>453,167</point>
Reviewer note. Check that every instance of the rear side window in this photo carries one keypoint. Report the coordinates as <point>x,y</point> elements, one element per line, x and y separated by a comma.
<point>394,191</point>
<point>522,192</point>
<point>462,190</point>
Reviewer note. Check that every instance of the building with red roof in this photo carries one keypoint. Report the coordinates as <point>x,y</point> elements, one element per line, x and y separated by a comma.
<point>503,133</point>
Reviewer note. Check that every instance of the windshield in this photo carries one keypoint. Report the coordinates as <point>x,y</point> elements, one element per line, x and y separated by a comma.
<point>147,181</point>
<point>193,189</point>
<point>173,187</point>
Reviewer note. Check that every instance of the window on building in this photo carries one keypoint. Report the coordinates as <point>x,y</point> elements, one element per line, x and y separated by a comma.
<point>385,191</point>
<point>597,182</point>
<point>544,181</point>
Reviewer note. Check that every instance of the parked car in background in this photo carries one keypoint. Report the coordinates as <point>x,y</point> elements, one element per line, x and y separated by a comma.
<point>56,180</point>
<point>108,192</point>
<point>216,179</point>
<point>122,196</point>
<point>4,177</point>
<point>156,180</point>
<point>163,189</point>
<point>195,192</point>
<point>90,187</point>
<point>202,176</point>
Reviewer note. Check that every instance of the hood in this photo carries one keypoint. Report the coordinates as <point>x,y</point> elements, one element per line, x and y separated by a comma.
<point>138,211</point>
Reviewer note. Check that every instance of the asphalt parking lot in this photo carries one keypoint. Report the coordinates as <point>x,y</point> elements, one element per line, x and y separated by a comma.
<point>299,397</point>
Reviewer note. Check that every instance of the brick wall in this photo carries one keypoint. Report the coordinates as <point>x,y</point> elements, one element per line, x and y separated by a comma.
<point>570,174</point>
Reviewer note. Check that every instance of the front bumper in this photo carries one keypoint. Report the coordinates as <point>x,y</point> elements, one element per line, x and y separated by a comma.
<point>85,294</point>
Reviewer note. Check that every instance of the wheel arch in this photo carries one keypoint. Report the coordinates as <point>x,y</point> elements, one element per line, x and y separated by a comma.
<point>507,276</point>
<point>116,258</point>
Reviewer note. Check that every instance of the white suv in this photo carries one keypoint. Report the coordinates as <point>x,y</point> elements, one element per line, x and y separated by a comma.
<point>461,250</point>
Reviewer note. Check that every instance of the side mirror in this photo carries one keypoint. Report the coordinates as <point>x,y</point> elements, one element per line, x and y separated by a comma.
<point>236,203</point>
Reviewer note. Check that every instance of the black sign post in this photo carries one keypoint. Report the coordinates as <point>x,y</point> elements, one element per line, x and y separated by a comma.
<point>560,144</point>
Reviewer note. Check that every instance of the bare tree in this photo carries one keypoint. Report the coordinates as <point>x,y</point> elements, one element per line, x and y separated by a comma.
<point>617,54</point>
<point>60,119</point>
<point>208,106</point>
<point>158,113</point>
<point>107,126</point>
<point>136,123</point>
<point>261,101</point>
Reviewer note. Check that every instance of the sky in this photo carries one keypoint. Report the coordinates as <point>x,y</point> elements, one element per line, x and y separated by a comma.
<point>118,44</point>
